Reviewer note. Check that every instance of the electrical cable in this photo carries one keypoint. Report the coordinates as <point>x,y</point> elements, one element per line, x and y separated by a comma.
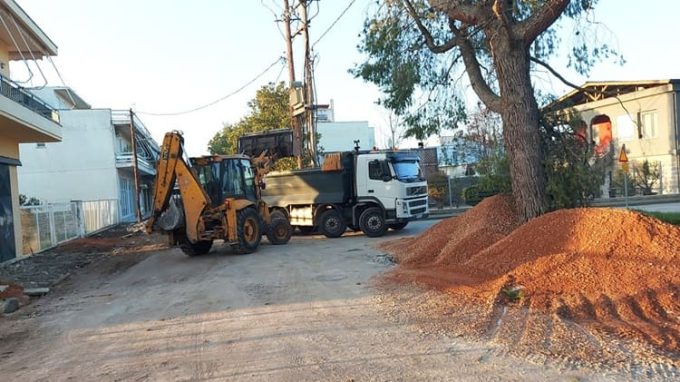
<point>334,22</point>
<point>217,100</point>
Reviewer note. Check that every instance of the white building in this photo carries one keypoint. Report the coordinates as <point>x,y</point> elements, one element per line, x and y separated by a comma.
<point>23,117</point>
<point>340,136</point>
<point>93,162</point>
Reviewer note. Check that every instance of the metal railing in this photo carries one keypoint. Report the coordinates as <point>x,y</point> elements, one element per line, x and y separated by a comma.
<point>46,226</point>
<point>125,159</point>
<point>18,94</point>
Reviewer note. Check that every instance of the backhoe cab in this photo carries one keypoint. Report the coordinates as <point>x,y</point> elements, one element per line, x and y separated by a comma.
<point>199,200</point>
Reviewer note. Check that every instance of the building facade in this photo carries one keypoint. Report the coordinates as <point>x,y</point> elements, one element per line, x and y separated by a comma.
<point>24,117</point>
<point>643,115</point>
<point>94,160</point>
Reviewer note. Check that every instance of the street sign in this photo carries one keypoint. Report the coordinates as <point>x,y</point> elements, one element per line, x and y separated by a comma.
<point>623,157</point>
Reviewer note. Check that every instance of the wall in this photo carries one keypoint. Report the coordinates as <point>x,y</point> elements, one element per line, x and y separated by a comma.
<point>340,136</point>
<point>81,167</point>
<point>4,58</point>
<point>661,148</point>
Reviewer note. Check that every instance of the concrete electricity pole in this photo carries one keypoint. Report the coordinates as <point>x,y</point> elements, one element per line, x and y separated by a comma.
<point>309,84</point>
<point>294,123</point>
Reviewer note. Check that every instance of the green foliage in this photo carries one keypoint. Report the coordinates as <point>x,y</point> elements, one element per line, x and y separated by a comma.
<point>268,111</point>
<point>646,175</point>
<point>425,88</point>
<point>573,174</point>
<point>619,183</point>
<point>28,201</point>
<point>494,174</point>
<point>667,217</point>
<point>285,164</point>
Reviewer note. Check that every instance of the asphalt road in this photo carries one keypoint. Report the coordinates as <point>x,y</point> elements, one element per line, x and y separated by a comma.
<point>306,311</point>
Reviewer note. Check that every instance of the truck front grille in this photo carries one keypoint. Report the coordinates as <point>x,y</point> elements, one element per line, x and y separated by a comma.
<point>419,190</point>
<point>416,203</point>
<point>417,211</point>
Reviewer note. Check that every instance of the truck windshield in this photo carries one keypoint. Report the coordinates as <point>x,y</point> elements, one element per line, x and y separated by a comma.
<point>407,171</point>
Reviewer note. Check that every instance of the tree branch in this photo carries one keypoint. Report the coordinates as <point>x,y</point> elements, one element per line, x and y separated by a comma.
<point>558,75</point>
<point>541,20</point>
<point>460,10</point>
<point>472,67</point>
<point>429,40</point>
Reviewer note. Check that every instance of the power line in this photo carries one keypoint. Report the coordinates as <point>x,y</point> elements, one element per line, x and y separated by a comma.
<point>334,22</point>
<point>280,59</point>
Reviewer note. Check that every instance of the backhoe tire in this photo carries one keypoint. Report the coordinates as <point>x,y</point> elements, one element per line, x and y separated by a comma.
<point>277,214</point>
<point>279,231</point>
<point>331,224</point>
<point>248,230</point>
<point>372,222</point>
<point>397,226</point>
<point>195,249</point>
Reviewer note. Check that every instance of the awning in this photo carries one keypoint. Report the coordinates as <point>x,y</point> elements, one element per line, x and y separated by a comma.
<point>9,161</point>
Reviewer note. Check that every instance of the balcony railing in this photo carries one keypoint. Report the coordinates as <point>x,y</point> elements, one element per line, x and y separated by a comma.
<point>18,94</point>
<point>125,160</point>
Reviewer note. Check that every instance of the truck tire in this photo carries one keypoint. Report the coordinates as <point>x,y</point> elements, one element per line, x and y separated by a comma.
<point>198,248</point>
<point>331,224</point>
<point>397,226</point>
<point>276,214</point>
<point>372,222</point>
<point>279,231</point>
<point>248,230</point>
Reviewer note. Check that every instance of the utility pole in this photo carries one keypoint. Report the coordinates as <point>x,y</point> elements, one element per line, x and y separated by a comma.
<point>309,84</point>
<point>135,170</point>
<point>295,126</point>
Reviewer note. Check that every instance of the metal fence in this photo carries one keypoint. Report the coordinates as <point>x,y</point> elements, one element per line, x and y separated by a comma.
<point>46,226</point>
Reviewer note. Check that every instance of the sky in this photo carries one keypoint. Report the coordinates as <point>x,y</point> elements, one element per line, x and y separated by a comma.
<point>168,56</point>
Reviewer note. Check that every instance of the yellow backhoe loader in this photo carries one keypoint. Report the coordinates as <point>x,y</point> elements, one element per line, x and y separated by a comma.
<point>199,200</point>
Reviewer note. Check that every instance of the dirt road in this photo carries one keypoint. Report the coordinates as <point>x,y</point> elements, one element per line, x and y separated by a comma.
<point>305,311</point>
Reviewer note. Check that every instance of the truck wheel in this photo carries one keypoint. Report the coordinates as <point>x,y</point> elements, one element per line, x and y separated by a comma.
<point>195,249</point>
<point>397,226</point>
<point>279,231</point>
<point>248,230</point>
<point>372,222</point>
<point>331,224</point>
<point>276,214</point>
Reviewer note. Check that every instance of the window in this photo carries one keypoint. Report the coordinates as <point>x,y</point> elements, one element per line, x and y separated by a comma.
<point>375,170</point>
<point>648,124</point>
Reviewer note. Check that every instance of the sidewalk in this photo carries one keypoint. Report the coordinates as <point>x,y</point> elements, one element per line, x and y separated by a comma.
<point>651,201</point>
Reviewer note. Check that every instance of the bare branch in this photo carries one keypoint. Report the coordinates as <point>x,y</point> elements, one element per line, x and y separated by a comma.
<point>429,40</point>
<point>541,20</point>
<point>558,75</point>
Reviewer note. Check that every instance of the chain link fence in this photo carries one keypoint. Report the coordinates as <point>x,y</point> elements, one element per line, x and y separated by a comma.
<point>46,226</point>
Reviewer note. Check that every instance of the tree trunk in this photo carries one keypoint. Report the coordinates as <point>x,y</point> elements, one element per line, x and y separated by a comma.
<point>520,115</point>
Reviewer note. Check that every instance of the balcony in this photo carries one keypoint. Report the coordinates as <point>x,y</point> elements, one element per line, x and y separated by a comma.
<point>145,166</point>
<point>26,117</point>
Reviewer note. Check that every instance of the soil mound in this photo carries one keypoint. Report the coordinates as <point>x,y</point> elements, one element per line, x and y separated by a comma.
<point>596,272</point>
<point>455,239</point>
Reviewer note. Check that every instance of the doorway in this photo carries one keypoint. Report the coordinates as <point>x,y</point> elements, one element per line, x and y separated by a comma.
<point>7,244</point>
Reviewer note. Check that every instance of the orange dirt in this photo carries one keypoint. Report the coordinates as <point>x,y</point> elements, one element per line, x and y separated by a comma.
<point>589,275</point>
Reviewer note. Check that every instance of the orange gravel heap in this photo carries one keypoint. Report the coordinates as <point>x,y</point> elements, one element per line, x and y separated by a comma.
<point>607,269</point>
